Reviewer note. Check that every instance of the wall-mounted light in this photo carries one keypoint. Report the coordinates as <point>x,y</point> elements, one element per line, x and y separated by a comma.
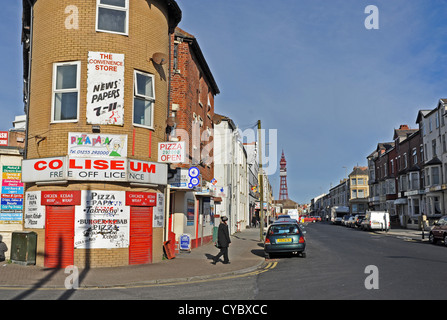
<point>96,129</point>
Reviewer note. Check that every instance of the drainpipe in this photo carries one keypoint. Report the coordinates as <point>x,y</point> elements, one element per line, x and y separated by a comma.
<point>28,93</point>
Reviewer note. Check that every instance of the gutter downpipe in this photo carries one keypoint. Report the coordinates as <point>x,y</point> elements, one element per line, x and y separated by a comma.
<point>28,91</point>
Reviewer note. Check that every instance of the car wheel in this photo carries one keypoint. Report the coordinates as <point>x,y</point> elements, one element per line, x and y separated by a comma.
<point>445,239</point>
<point>267,255</point>
<point>303,254</point>
<point>431,238</point>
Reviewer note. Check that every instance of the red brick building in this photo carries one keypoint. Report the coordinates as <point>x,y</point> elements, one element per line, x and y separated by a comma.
<point>192,93</point>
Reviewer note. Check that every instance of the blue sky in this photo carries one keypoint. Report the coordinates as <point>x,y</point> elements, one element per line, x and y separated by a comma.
<point>307,68</point>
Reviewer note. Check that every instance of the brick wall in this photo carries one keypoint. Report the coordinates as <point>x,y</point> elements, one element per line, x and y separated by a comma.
<point>52,43</point>
<point>190,89</point>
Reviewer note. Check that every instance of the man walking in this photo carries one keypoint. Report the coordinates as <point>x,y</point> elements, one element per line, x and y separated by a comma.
<point>223,241</point>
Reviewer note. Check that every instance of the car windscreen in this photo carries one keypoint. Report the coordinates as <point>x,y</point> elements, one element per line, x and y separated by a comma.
<point>282,229</point>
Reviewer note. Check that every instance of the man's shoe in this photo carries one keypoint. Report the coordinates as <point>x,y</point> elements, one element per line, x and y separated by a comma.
<point>228,262</point>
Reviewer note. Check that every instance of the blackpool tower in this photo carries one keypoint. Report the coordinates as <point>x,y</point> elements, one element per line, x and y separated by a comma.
<point>283,193</point>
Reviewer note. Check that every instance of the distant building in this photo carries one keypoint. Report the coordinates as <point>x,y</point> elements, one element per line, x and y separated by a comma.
<point>358,190</point>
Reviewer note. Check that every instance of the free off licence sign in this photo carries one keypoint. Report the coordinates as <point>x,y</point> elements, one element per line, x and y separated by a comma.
<point>171,152</point>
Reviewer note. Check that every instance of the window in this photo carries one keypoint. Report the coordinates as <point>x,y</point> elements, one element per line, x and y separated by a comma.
<point>414,180</point>
<point>435,175</point>
<point>437,205</point>
<point>415,156</point>
<point>65,91</point>
<point>444,146</point>
<point>433,148</point>
<point>144,97</point>
<point>361,193</point>
<point>112,16</point>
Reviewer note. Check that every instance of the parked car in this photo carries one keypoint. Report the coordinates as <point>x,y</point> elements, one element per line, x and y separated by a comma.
<point>358,220</point>
<point>284,236</point>
<point>439,231</point>
<point>351,222</point>
<point>307,219</point>
<point>345,219</point>
<point>283,216</point>
<point>317,218</point>
<point>337,220</point>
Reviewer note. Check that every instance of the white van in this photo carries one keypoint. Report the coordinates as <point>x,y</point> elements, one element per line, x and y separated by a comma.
<point>376,220</point>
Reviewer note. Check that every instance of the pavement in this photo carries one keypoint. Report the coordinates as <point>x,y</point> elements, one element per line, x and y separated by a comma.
<point>406,234</point>
<point>246,254</point>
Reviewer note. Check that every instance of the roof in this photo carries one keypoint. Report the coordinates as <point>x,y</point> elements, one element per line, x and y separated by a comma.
<point>403,132</point>
<point>200,57</point>
<point>359,171</point>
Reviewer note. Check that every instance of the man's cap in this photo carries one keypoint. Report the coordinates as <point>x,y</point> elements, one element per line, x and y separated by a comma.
<point>224,218</point>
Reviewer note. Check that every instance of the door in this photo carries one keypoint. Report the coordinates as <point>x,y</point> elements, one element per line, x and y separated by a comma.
<point>59,236</point>
<point>140,248</point>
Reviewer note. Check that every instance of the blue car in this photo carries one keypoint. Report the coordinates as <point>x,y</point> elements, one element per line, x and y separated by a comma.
<point>284,236</point>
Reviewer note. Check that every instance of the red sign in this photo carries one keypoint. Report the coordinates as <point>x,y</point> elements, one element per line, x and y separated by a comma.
<point>4,138</point>
<point>61,198</point>
<point>144,199</point>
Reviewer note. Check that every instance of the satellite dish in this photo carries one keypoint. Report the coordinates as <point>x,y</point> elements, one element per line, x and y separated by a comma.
<point>159,58</point>
<point>217,119</point>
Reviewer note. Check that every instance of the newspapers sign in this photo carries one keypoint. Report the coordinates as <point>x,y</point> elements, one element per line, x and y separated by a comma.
<point>105,88</point>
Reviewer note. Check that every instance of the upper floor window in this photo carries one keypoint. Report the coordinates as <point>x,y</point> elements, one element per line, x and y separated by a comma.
<point>112,16</point>
<point>65,91</point>
<point>144,97</point>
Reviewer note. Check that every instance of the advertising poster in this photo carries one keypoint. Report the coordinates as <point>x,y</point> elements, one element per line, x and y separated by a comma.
<point>190,212</point>
<point>159,211</point>
<point>12,195</point>
<point>105,88</point>
<point>97,145</point>
<point>34,211</point>
<point>102,220</point>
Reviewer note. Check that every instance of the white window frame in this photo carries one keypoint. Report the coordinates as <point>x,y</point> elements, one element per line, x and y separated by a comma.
<point>55,91</point>
<point>111,7</point>
<point>146,98</point>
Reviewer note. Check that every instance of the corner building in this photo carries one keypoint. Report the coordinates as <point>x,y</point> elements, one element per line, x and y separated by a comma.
<point>96,99</point>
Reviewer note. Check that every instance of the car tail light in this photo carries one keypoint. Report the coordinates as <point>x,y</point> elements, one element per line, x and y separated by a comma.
<point>267,241</point>
<point>301,240</point>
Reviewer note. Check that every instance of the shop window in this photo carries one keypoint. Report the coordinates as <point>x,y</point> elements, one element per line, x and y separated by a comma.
<point>144,97</point>
<point>65,91</point>
<point>112,16</point>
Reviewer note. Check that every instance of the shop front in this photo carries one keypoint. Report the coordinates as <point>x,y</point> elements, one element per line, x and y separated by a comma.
<point>96,212</point>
